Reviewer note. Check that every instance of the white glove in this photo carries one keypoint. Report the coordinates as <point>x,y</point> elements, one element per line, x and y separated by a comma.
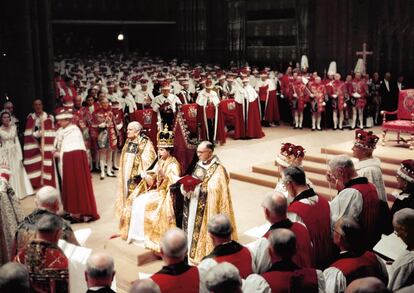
<point>356,95</point>
<point>323,104</point>
<point>295,95</point>
<point>119,126</point>
<point>312,95</point>
<point>102,125</point>
<point>335,95</point>
<point>344,105</point>
<point>36,134</point>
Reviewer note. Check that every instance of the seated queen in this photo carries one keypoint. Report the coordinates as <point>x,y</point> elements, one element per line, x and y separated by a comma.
<point>152,212</point>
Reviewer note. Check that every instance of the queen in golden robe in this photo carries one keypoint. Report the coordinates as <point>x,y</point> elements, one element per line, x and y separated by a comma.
<point>210,197</point>
<point>152,212</point>
<point>137,156</point>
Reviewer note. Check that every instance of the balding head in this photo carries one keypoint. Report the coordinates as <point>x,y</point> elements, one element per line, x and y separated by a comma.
<point>403,223</point>
<point>276,204</point>
<point>348,235</point>
<point>367,285</point>
<point>135,125</point>
<point>100,270</point>
<point>283,243</point>
<point>144,286</point>
<point>14,277</point>
<point>220,226</point>
<point>174,245</point>
<point>223,278</point>
<point>47,197</point>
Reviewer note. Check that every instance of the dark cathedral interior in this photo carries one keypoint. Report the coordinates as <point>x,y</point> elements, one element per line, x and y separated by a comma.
<point>261,32</point>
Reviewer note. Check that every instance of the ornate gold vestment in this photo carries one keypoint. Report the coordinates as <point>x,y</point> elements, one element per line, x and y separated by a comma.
<point>214,198</point>
<point>144,157</point>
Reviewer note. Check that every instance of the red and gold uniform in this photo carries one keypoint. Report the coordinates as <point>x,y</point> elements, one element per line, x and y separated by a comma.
<point>47,265</point>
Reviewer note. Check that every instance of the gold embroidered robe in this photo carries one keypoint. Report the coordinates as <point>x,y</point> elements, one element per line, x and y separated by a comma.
<point>213,198</point>
<point>159,211</point>
<point>136,156</point>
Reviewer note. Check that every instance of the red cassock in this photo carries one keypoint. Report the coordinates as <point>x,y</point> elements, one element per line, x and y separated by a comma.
<point>47,265</point>
<point>317,219</point>
<point>236,254</point>
<point>247,106</point>
<point>303,256</point>
<point>368,219</point>
<point>77,192</point>
<point>178,278</point>
<point>299,280</point>
<point>361,266</point>
<point>359,86</point>
<point>39,138</point>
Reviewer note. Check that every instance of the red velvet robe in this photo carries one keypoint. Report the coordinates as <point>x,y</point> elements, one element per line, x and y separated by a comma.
<point>249,125</point>
<point>38,153</point>
<point>209,112</point>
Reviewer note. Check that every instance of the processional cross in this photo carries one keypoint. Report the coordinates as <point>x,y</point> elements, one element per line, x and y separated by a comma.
<point>364,53</point>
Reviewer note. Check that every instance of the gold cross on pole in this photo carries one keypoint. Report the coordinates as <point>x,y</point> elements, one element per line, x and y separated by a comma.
<point>364,53</point>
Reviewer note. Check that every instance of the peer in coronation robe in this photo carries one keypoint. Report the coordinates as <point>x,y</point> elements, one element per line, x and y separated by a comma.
<point>208,198</point>
<point>138,155</point>
<point>152,212</point>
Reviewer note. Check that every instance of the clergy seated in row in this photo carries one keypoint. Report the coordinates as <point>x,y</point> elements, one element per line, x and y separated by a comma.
<point>284,275</point>
<point>405,182</point>
<point>177,275</point>
<point>45,261</point>
<point>100,272</point>
<point>313,211</point>
<point>354,261</point>
<point>137,156</point>
<point>47,202</point>
<point>402,270</point>
<point>226,249</point>
<point>152,212</point>
<point>275,212</point>
<point>357,198</point>
<point>14,277</point>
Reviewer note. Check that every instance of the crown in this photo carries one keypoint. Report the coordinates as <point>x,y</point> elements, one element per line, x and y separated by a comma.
<point>165,138</point>
<point>290,155</point>
<point>406,170</point>
<point>365,139</point>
